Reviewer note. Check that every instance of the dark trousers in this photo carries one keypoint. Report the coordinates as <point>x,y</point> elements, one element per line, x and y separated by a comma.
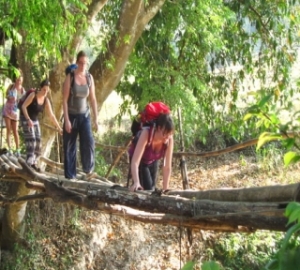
<point>81,125</point>
<point>148,175</point>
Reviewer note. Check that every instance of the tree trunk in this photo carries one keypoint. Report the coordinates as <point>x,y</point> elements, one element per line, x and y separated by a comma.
<point>161,209</point>
<point>108,68</point>
<point>12,220</point>
<point>24,65</point>
<point>278,193</point>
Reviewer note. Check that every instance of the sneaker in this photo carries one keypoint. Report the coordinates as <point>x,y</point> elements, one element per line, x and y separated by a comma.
<point>17,153</point>
<point>72,179</point>
<point>9,152</point>
<point>37,169</point>
<point>90,175</point>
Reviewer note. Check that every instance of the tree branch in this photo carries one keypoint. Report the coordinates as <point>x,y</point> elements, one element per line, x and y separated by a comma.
<point>259,17</point>
<point>276,193</point>
<point>41,196</point>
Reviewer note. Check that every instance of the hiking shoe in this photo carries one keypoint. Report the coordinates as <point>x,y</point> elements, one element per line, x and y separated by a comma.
<point>17,153</point>
<point>90,175</point>
<point>37,169</point>
<point>9,153</point>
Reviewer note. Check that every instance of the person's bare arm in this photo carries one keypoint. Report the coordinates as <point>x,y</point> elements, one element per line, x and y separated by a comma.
<point>66,94</point>
<point>51,115</point>
<point>136,159</point>
<point>167,166</point>
<point>93,102</point>
<point>25,104</point>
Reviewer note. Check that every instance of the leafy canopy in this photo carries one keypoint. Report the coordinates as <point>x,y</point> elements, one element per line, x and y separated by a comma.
<point>43,26</point>
<point>215,59</point>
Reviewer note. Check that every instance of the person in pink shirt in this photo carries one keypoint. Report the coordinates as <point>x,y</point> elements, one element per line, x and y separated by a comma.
<point>145,155</point>
<point>11,112</point>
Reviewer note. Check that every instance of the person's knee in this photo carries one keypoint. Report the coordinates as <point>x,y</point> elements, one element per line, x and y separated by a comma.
<point>15,132</point>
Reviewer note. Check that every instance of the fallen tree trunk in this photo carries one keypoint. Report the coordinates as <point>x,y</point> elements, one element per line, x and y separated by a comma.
<point>199,212</point>
<point>177,205</point>
<point>202,214</point>
<point>276,193</point>
<point>207,210</point>
<point>227,223</point>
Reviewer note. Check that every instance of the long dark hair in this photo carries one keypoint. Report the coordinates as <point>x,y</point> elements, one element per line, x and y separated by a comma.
<point>44,83</point>
<point>165,122</point>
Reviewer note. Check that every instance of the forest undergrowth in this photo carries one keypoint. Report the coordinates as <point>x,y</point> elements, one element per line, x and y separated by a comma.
<point>60,236</point>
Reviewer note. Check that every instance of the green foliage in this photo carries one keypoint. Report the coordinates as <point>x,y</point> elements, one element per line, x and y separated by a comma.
<point>288,256</point>
<point>210,266</point>
<point>274,112</point>
<point>102,166</point>
<point>269,157</point>
<point>243,162</point>
<point>105,156</point>
<point>75,220</point>
<point>267,137</point>
<point>279,123</point>
<point>188,266</point>
<point>291,157</point>
<point>208,57</point>
<point>42,27</point>
<point>7,70</point>
<point>293,213</point>
<point>205,266</point>
<point>172,56</point>
<point>48,25</point>
<point>2,88</point>
<point>241,251</point>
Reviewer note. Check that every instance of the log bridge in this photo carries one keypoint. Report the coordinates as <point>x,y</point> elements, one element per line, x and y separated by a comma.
<point>226,210</point>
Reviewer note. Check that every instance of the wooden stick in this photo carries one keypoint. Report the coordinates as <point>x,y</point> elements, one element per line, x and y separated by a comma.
<point>118,158</point>
<point>183,169</point>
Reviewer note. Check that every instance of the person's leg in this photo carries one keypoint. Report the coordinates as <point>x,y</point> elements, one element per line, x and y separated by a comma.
<point>14,127</point>
<point>87,144</point>
<point>8,130</point>
<point>69,144</point>
<point>29,140</point>
<point>38,145</point>
<point>153,171</point>
<point>146,174</point>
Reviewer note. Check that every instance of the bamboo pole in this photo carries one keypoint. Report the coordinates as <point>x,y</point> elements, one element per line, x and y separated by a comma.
<point>183,168</point>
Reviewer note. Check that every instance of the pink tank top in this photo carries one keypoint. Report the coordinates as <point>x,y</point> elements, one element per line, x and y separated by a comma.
<point>150,155</point>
